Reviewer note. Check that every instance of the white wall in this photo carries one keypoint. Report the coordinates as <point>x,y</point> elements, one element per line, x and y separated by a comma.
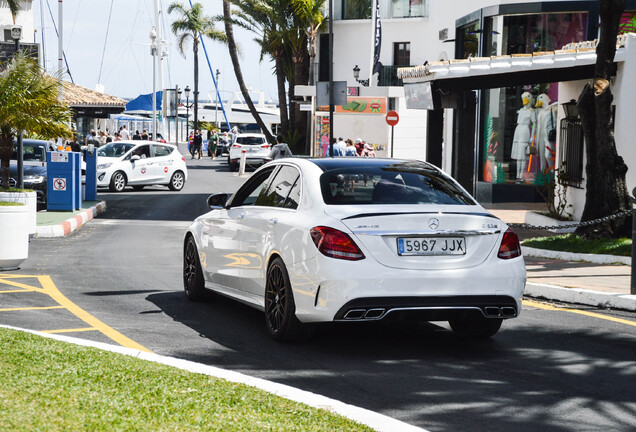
<point>24,19</point>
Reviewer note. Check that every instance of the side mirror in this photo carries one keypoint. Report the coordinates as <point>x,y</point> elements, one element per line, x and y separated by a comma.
<point>218,201</point>
<point>134,158</point>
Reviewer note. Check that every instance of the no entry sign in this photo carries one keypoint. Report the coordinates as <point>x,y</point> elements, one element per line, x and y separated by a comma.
<point>392,118</point>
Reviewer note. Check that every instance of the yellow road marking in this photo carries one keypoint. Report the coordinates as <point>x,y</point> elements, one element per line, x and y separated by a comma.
<point>576,311</point>
<point>11,291</point>
<point>31,308</point>
<point>70,330</point>
<point>49,288</point>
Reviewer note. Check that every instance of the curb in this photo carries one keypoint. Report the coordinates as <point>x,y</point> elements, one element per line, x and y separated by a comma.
<point>569,256</point>
<point>71,224</point>
<point>377,421</point>
<point>581,296</point>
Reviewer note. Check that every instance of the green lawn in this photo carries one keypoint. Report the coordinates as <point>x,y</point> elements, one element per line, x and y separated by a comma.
<point>48,385</point>
<point>572,243</point>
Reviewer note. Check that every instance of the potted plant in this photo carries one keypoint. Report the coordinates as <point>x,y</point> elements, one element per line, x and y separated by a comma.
<point>14,234</point>
<point>29,101</point>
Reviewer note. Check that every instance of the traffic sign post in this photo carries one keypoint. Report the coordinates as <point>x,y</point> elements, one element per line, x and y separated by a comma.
<point>392,118</point>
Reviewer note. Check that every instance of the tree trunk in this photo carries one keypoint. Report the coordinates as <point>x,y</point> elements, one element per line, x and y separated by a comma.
<point>606,189</point>
<point>6,150</point>
<point>282,97</point>
<point>231,43</point>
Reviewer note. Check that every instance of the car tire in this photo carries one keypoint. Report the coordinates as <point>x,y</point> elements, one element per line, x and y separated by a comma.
<point>476,329</point>
<point>138,187</point>
<point>234,167</point>
<point>193,283</point>
<point>280,308</point>
<point>118,182</point>
<point>177,181</point>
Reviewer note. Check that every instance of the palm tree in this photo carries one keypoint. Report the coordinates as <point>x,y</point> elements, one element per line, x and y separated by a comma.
<point>193,24</point>
<point>14,8</point>
<point>310,13</point>
<point>268,20</point>
<point>231,44</point>
<point>29,100</point>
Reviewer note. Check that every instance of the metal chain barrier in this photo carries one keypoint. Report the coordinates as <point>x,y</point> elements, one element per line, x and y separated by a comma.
<point>573,225</point>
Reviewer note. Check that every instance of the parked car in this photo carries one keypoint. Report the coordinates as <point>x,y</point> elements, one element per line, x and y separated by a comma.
<point>256,147</point>
<point>139,164</point>
<point>356,240</point>
<point>34,167</point>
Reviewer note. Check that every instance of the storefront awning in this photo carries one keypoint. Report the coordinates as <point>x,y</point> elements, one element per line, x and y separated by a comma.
<point>502,71</point>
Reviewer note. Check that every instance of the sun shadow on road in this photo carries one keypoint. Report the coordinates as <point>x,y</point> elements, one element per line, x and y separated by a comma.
<point>528,377</point>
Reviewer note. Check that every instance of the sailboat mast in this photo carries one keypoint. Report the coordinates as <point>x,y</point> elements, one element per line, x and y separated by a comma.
<point>160,43</point>
<point>60,43</point>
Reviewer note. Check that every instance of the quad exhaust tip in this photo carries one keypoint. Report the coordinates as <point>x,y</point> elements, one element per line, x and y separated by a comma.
<point>500,312</point>
<point>365,314</point>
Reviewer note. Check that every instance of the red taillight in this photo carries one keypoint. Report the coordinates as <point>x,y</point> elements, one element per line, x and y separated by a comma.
<point>510,247</point>
<point>183,158</point>
<point>335,244</point>
<point>264,145</point>
<point>236,146</point>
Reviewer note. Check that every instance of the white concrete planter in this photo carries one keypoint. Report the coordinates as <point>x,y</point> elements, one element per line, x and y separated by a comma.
<point>29,199</point>
<point>14,236</point>
<point>542,220</point>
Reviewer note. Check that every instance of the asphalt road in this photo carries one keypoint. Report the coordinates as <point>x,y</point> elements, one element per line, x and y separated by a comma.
<point>548,370</point>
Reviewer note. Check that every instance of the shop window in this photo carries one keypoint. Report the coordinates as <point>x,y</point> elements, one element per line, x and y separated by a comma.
<point>518,143</point>
<point>357,9</point>
<point>469,40</point>
<point>525,34</point>
<point>406,8</point>
<point>402,54</point>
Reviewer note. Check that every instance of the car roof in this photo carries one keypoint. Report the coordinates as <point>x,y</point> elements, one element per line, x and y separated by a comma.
<point>138,142</point>
<point>332,163</point>
<point>250,135</point>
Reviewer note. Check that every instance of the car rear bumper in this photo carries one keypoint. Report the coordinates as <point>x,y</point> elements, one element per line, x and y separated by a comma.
<point>327,289</point>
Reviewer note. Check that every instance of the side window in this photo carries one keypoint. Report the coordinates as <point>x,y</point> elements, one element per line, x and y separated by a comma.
<point>251,190</point>
<point>141,151</point>
<point>294,196</point>
<point>279,189</point>
<point>161,150</point>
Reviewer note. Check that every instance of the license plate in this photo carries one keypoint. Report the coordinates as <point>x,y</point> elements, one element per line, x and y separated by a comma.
<point>431,246</point>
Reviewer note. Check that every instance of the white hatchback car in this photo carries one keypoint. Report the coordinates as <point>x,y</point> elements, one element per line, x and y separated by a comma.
<point>139,164</point>
<point>356,240</point>
<point>255,146</point>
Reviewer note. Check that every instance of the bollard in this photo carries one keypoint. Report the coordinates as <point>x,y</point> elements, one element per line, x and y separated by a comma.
<point>633,277</point>
<point>242,163</point>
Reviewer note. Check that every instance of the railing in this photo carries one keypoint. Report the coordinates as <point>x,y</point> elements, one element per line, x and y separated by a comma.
<point>388,77</point>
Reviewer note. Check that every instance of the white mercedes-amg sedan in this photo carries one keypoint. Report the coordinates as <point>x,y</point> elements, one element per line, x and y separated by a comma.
<point>356,240</point>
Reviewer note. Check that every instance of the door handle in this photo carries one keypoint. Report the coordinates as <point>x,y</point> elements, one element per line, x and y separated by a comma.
<point>272,221</point>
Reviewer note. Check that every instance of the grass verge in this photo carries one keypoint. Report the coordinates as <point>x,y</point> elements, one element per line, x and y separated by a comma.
<point>576,244</point>
<point>54,386</point>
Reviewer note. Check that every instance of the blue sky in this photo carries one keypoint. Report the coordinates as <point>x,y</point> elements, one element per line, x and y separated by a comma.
<point>122,61</point>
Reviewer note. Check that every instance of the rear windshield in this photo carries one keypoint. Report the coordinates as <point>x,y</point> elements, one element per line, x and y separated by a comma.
<point>30,152</point>
<point>250,140</point>
<point>402,183</point>
<point>115,149</point>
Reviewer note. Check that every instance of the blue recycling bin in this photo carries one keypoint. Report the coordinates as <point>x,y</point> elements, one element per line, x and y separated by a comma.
<point>63,175</point>
<point>90,188</point>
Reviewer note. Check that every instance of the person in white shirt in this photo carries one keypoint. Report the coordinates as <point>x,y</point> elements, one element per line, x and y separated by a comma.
<point>341,143</point>
<point>123,132</point>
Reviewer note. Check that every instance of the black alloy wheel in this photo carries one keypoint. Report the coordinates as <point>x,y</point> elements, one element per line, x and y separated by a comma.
<point>280,309</point>
<point>193,283</point>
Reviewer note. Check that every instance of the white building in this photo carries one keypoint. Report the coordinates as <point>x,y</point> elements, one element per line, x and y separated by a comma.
<point>471,132</point>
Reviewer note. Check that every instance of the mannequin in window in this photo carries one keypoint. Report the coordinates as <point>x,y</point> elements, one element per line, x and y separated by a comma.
<point>546,121</point>
<point>522,138</point>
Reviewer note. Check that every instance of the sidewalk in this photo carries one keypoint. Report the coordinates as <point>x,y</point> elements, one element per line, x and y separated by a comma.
<point>586,279</point>
<point>62,223</point>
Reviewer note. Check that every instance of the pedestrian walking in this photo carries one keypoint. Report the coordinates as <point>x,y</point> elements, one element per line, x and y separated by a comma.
<point>144,135</point>
<point>136,136</point>
<point>123,133</point>
<point>359,146</point>
<point>280,150</point>
<point>93,139</point>
<point>198,142</point>
<point>368,151</point>
<point>350,150</point>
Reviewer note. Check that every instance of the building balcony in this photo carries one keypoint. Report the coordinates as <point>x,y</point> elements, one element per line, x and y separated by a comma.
<point>388,77</point>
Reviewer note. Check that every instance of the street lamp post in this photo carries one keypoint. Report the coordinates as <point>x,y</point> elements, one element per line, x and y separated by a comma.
<point>216,99</point>
<point>153,52</point>
<point>16,35</point>
<point>187,95</point>
<point>356,75</point>
<point>177,114</point>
